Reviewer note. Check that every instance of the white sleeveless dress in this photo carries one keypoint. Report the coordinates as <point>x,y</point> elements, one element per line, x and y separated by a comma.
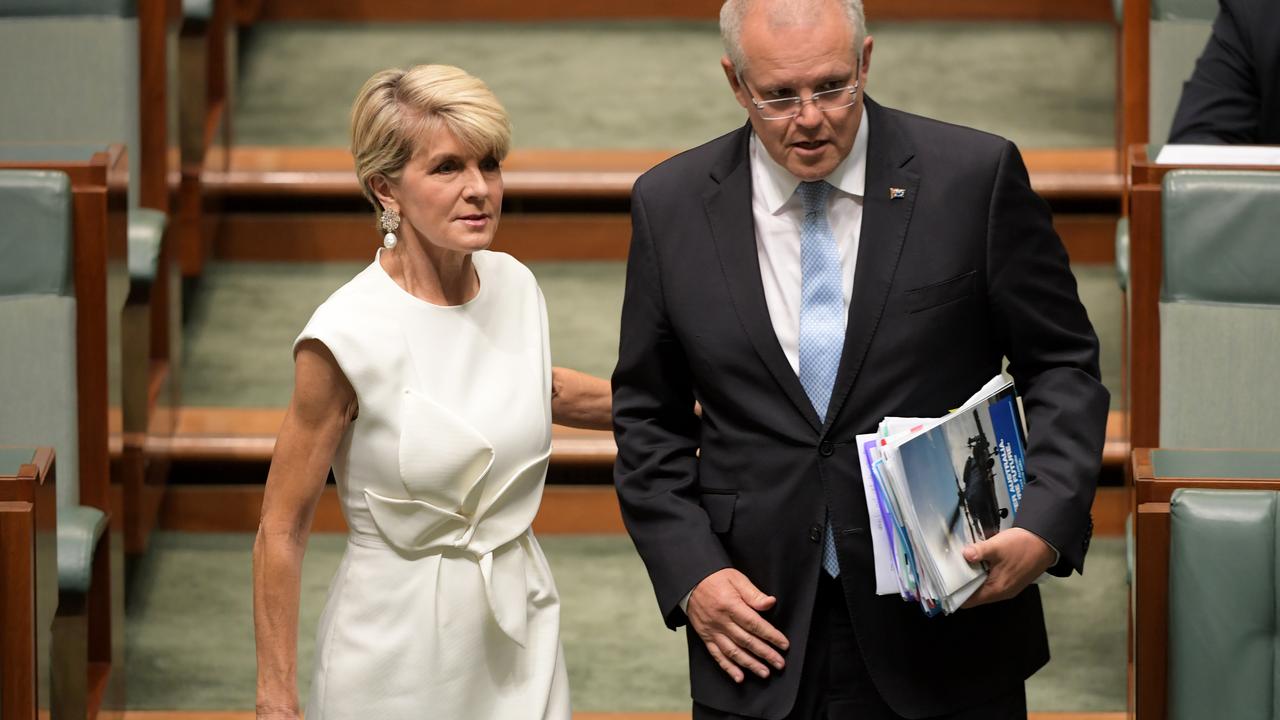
<point>443,606</point>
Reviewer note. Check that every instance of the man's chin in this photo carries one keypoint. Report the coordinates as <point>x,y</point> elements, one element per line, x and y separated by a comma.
<point>810,171</point>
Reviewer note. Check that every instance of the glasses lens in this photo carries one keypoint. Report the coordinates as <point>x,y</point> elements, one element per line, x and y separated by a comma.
<point>780,109</point>
<point>834,99</point>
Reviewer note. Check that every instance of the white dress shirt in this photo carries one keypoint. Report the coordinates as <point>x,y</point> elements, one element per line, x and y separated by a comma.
<point>778,214</point>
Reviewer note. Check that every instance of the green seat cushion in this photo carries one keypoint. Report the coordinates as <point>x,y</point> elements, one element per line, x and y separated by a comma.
<point>1175,43</point>
<point>38,395</point>
<point>1184,10</point>
<point>80,527</point>
<point>78,84</point>
<point>1122,253</point>
<point>49,8</point>
<point>1222,604</point>
<point>35,233</point>
<point>1220,236</point>
<point>146,230</point>
<point>1218,384</point>
<point>197,9</point>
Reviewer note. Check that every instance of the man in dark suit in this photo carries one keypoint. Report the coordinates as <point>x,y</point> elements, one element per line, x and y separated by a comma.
<point>1233,96</point>
<point>830,263</point>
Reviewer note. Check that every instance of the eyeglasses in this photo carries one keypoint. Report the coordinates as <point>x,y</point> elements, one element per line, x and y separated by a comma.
<point>788,107</point>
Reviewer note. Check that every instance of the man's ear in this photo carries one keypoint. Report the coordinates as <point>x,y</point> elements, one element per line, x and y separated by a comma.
<point>868,44</point>
<point>731,74</point>
<point>383,190</point>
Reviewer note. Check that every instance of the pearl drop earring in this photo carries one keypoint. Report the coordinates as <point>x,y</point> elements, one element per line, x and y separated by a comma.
<point>390,223</point>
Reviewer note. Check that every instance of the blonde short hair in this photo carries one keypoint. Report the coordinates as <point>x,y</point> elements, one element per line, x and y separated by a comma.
<point>397,108</point>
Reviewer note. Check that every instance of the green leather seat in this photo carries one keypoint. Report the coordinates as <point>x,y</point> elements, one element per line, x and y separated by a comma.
<point>1223,574</point>
<point>38,321</point>
<point>1220,310</point>
<point>88,51</point>
<point>1178,32</point>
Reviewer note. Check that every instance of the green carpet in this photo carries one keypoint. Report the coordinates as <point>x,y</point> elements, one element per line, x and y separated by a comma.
<point>659,84</point>
<point>189,636</point>
<point>246,316</point>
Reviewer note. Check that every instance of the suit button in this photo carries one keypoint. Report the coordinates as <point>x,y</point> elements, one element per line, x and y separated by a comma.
<point>815,533</point>
<point>826,449</point>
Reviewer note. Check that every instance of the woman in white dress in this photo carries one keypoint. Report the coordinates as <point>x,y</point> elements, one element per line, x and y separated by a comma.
<point>426,384</point>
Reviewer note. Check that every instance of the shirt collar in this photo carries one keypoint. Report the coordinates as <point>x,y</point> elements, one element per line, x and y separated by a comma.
<point>777,185</point>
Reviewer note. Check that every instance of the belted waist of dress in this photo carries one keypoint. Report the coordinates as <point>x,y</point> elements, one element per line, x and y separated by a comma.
<point>487,530</point>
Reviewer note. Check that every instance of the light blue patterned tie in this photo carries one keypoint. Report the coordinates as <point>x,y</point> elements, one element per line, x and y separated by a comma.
<point>822,318</point>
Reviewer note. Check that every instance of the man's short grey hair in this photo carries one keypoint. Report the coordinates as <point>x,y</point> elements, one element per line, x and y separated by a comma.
<point>783,13</point>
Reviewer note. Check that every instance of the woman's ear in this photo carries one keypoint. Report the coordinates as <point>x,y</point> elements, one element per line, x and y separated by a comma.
<point>383,190</point>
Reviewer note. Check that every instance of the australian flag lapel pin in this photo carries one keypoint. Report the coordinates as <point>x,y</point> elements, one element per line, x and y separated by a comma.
<point>897,193</point>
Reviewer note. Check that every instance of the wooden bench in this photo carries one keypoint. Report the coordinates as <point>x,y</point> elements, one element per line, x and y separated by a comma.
<point>1146,269</point>
<point>29,566</point>
<point>1157,473</point>
<point>69,203</point>
<point>249,11</point>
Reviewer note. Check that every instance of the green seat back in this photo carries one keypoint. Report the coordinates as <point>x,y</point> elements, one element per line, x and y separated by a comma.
<point>1179,30</point>
<point>38,321</point>
<point>78,81</point>
<point>1220,310</point>
<point>45,8</point>
<point>1222,604</point>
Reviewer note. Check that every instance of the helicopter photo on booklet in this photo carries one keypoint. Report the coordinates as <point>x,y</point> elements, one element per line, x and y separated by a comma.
<point>936,485</point>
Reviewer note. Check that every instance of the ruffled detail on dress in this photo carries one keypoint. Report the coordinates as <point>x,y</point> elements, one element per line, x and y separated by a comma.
<point>483,528</point>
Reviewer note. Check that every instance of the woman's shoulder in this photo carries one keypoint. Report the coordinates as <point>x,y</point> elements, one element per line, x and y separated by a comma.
<point>503,265</point>
<point>351,309</point>
<point>508,273</point>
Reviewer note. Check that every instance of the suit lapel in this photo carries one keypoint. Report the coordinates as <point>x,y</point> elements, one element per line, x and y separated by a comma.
<point>728,206</point>
<point>884,228</point>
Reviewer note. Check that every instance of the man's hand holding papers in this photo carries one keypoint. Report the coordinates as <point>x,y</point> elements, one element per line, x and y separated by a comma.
<point>937,486</point>
<point>1014,559</point>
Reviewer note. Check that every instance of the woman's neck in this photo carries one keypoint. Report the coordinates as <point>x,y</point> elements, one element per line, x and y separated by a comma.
<point>431,273</point>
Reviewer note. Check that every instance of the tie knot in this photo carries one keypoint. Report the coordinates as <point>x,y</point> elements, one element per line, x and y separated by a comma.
<point>814,194</point>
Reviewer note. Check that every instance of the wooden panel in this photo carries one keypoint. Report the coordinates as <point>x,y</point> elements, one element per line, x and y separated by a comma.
<point>249,715</point>
<point>281,237</point>
<point>328,172</point>
<point>1145,273</point>
<point>18,656</point>
<point>532,10</point>
<point>1149,620</point>
<point>99,206</point>
<point>1110,507</point>
<point>565,510</point>
<point>327,237</point>
<point>1088,238</point>
<point>248,435</point>
<point>153,111</point>
<point>1115,450</point>
<point>1135,74</point>
<point>1151,608</point>
<point>28,564</point>
<point>236,508</point>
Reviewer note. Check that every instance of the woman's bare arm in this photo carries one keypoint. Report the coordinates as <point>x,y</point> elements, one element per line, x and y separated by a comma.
<point>580,400</point>
<point>322,407</point>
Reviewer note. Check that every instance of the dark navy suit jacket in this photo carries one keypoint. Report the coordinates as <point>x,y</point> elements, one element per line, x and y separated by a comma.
<point>960,271</point>
<point>1233,96</point>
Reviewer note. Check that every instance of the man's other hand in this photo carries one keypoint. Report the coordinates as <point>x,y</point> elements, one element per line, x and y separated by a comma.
<point>724,609</point>
<point>1014,558</point>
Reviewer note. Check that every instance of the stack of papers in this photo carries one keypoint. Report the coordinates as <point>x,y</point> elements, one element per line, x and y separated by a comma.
<point>1226,155</point>
<point>936,485</point>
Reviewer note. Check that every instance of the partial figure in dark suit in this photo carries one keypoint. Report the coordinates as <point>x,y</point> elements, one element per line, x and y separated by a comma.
<point>1233,96</point>
<point>827,264</point>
